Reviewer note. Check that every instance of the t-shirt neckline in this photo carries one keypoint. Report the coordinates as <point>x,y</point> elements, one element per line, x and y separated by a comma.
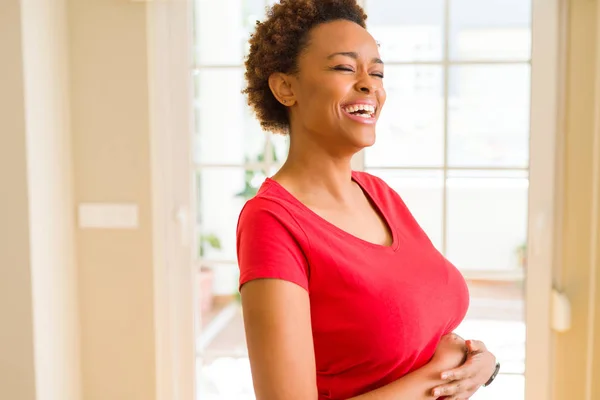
<point>393,246</point>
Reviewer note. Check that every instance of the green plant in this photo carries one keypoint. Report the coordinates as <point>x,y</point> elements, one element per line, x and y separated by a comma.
<point>249,189</point>
<point>251,175</point>
<point>208,240</point>
<point>521,252</point>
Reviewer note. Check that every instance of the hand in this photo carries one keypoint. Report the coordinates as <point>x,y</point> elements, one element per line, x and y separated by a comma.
<point>450,353</point>
<point>465,380</point>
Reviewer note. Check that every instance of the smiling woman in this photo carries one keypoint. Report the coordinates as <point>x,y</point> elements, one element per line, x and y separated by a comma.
<point>344,295</point>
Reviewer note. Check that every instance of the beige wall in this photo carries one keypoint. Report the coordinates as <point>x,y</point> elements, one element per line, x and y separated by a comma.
<point>112,164</point>
<point>38,297</point>
<point>90,55</point>
<point>574,348</point>
<point>595,372</point>
<point>596,353</point>
<point>17,373</point>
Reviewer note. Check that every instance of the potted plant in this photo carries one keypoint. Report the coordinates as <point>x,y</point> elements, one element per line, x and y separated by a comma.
<point>206,275</point>
<point>521,252</point>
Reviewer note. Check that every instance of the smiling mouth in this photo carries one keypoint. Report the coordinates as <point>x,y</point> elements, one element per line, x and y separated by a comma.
<point>361,110</point>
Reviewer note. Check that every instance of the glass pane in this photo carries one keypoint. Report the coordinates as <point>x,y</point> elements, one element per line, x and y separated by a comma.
<point>487,220</point>
<point>496,317</point>
<point>410,131</point>
<point>223,370</point>
<point>488,116</point>
<point>226,130</point>
<point>222,193</point>
<point>490,29</point>
<point>506,386</point>
<point>222,29</point>
<point>407,30</point>
<point>281,144</point>
<point>422,191</point>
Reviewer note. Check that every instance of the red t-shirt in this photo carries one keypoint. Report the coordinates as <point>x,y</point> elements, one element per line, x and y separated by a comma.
<point>377,312</point>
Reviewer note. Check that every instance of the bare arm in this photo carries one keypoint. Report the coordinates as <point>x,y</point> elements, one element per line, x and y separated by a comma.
<point>420,383</point>
<point>280,346</point>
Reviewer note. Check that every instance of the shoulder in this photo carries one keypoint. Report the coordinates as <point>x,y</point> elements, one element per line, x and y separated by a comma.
<point>269,214</point>
<point>270,242</point>
<point>265,205</point>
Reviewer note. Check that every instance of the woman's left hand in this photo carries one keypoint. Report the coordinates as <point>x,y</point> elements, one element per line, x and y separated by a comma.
<point>469,377</point>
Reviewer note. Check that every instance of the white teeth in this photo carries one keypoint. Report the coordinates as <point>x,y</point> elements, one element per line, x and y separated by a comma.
<point>360,107</point>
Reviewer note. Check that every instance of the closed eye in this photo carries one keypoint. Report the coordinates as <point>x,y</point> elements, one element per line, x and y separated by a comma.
<point>343,68</point>
<point>349,69</point>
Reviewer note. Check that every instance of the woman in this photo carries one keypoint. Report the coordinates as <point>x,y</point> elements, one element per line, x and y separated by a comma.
<point>344,296</point>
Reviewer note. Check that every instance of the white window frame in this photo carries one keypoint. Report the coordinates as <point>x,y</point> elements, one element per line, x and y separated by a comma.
<point>170,81</point>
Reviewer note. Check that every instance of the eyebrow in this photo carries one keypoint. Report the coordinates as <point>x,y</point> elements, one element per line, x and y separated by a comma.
<point>353,55</point>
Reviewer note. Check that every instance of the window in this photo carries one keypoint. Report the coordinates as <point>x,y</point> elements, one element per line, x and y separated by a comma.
<point>453,140</point>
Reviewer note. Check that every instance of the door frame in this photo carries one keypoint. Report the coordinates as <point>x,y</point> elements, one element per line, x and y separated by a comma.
<point>170,85</point>
<point>169,24</point>
<point>548,66</point>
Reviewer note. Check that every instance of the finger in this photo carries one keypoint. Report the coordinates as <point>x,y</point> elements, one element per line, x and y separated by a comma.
<point>468,370</point>
<point>467,389</point>
<point>475,346</point>
<point>450,389</point>
<point>470,392</point>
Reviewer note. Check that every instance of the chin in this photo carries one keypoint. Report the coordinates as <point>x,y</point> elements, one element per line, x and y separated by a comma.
<point>363,139</point>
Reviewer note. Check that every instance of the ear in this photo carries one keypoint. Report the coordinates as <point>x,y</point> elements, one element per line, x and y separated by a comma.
<point>281,86</point>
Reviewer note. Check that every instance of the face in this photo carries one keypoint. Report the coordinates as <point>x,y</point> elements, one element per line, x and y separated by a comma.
<point>338,94</point>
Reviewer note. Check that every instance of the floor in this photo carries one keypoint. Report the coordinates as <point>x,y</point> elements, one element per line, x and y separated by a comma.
<point>495,317</point>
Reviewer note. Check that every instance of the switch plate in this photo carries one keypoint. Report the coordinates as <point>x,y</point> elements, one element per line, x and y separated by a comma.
<point>108,216</point>
<point>561,312</point>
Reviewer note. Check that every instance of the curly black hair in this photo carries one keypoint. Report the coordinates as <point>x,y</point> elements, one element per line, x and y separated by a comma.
<point>276,45</point>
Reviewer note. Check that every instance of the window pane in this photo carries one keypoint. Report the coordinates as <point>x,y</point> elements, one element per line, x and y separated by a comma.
<point>488,116</point>
<point>407,30</point>
<point>487,219</point>
<point>281,144</point>
<point>490,29</point>
<point>410,131</point>
<point>222,192</point>
<point>226,130</point>
<point>422,191</point>
<point>222,29</point>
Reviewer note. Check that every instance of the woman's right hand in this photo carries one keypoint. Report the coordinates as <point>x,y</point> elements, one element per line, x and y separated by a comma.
<point>451,352</point>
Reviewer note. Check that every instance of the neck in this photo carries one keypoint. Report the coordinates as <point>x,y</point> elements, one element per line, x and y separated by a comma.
<point>312,168</point>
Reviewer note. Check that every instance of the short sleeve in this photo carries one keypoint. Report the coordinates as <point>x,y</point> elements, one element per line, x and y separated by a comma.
<point>271,244</point>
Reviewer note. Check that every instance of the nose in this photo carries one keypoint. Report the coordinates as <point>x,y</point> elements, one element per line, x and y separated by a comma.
<point>367,84</point>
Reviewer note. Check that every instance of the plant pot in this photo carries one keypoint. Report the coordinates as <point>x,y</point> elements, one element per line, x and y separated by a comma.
<point>522,258</point>
<point>206,278</point>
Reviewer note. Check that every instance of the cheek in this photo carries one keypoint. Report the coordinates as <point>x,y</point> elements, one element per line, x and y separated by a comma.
<point>323,102</point>
<point>321,98</point>
<point>382,96</point>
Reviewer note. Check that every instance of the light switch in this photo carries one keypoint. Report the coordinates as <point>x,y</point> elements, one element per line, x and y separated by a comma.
<point>108,216</point>
<point>561,312</point>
